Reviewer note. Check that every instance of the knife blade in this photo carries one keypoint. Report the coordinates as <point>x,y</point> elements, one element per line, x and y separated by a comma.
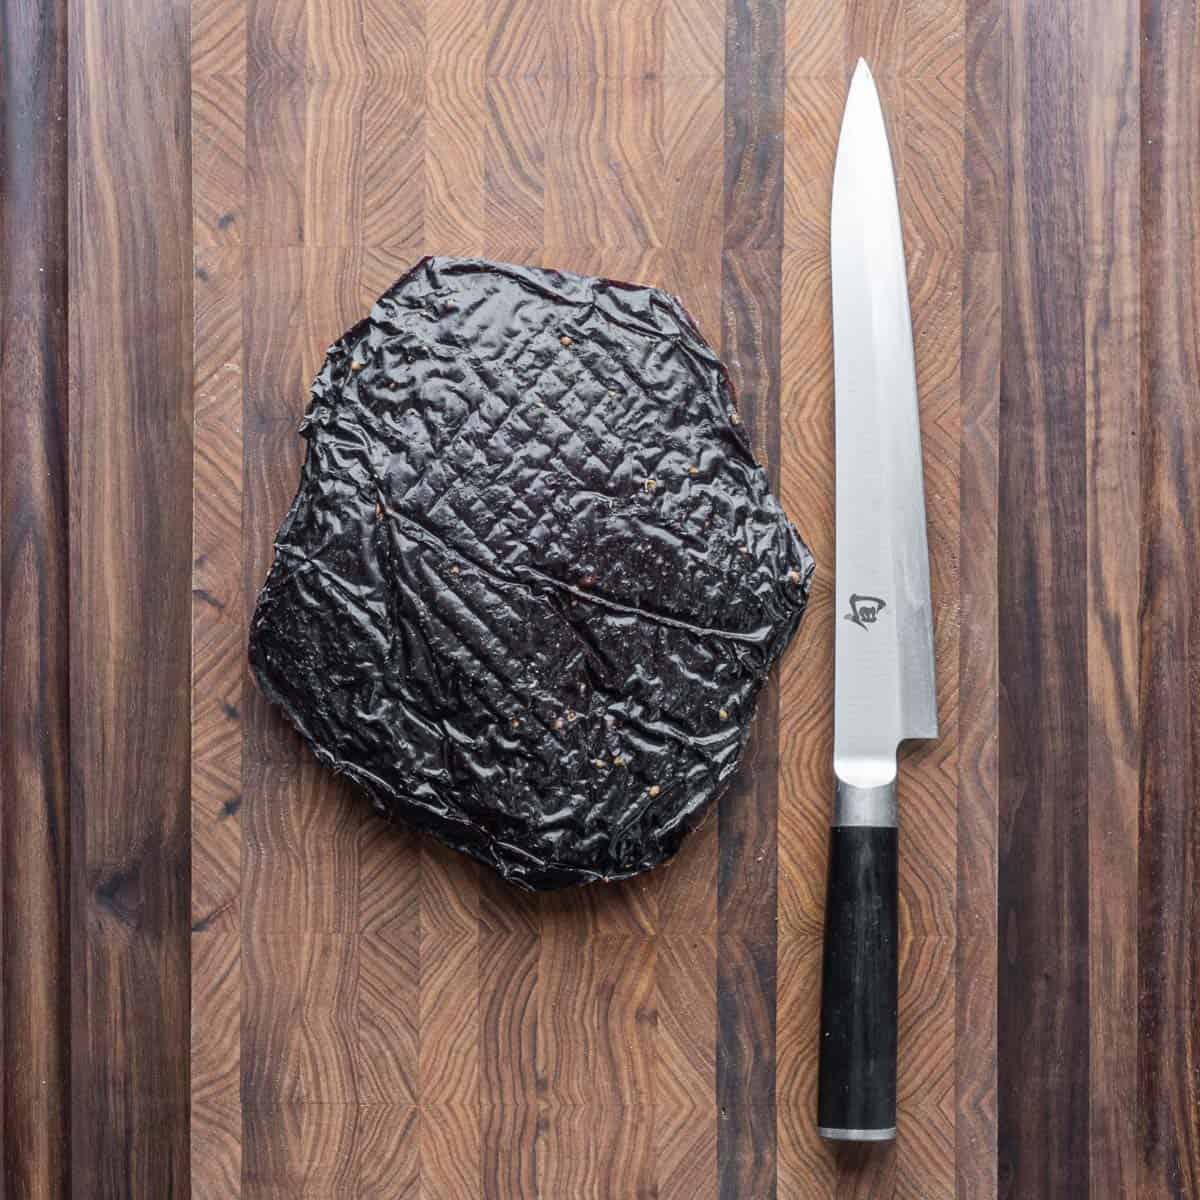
<point>884,689</point>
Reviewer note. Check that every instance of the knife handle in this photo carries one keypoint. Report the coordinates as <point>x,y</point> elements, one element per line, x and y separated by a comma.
<point>856,1091</point>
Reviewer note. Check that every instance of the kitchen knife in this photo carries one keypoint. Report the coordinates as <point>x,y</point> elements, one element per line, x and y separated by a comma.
<point>883,655</point>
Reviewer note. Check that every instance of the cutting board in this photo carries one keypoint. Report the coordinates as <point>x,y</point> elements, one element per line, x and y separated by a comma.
<point>373,1015</point>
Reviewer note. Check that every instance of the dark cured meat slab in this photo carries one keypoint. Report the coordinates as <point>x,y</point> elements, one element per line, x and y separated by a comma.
<point>533,579</point>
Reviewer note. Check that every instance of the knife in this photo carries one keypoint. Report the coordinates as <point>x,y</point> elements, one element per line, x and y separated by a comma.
<point>883,644</point>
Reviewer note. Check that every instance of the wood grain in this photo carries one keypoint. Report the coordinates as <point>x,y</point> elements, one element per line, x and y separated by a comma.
<point>216,1058</point>
<point>932,86</point>
<point>747,815</point>
<point>35,836</point>
<point>976,965</point>
<point>1043,1041</point>
<point>1111,154</point>
<point>131,526</point>
<point>230,185</point>
<point>218,625</point>
<point>1168,840</point>
<point>218,619</point>
<point>218,89</point>
<point>984,168</point>
<point>218,82</point>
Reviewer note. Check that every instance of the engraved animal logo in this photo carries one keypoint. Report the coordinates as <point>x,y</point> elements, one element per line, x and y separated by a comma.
<point>865,610</point>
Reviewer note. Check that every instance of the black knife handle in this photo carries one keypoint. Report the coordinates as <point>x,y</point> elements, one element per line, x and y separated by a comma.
<point>856,1092</point>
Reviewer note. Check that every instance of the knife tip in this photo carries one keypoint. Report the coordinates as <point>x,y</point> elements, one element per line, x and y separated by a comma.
<point>862,69</point>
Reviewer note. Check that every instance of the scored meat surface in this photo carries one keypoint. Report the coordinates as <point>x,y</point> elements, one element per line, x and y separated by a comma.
<point>532,580</point>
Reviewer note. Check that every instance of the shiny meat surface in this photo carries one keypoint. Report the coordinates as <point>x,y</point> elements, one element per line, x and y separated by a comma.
<point>532,580</point>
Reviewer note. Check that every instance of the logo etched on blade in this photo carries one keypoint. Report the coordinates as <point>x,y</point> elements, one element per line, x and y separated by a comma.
<point>865,610</point>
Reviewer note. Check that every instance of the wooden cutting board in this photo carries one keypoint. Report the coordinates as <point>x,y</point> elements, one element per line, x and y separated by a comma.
<point>367,1006</point>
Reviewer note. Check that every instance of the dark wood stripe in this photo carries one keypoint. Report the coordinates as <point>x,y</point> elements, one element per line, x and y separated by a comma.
<point>1168,1134</point>
<point>1107,52</point>
<point>34,677</point>
<point>130,566</point>
<point>985,142</point>
<point>1042,1034</point>
<point>751,270</point>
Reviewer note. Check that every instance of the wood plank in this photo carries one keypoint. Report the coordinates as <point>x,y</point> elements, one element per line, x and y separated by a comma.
<point>1043,1042</point>
<point>932,85</point>
<point>218,656</point>
<point>388,1147</point>
<point>594,122</point>
<point>595,39</point>
<point>448,1048</point>
<point>509,1085</point>
<point>685,1007</point>
<point>751,270</point>
<point>1108,52</point>
<point>389,1007</point>
<point>517,102</point>
<point>1168,934</point>
<point>216,1048</point>
<point>816,42</point>
<point>336,90</point>
<point>595,1040</point>
<point>392,129</point>
<point>514,168</point>
<point>275,128</point>
<point>874,30</point>
<point>218,93</point>
<point>35,830</point>
<point>456,45</point>
<point>364,122</point>
<point>693,39</point>
<point>218,603</point>
<point>931,191</point>
<point>976,967</point>
<point>985,127</point>
<point>298,1043</point>
<point>300,856</point>
<point>273,365</point>
<point>130,430</point>
<point>976,964</point>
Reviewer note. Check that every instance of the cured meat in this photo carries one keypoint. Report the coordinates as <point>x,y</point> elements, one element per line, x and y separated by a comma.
<point>532,580</point>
